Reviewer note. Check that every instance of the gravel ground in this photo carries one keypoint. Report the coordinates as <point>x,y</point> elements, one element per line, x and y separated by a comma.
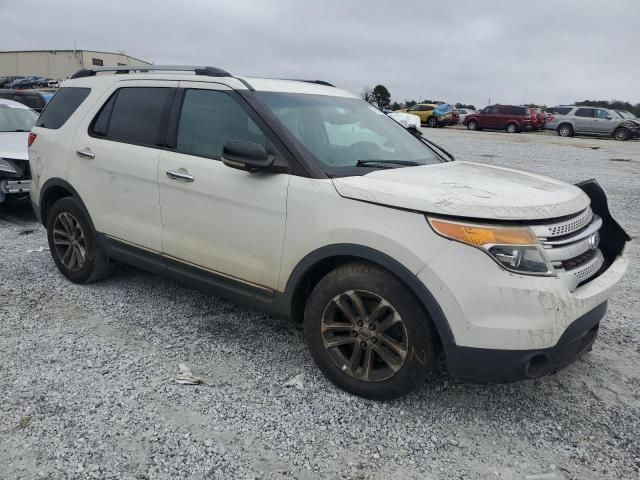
<point>87,373</point>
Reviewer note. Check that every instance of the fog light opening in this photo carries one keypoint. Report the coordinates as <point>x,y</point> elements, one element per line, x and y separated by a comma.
<point>536,366</point>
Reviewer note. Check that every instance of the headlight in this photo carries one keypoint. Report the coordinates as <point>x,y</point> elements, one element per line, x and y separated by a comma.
<point>6,166</point>
<point>516,249</point>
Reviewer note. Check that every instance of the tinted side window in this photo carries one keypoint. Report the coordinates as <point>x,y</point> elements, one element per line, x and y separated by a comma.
<point>518,111</point>
<point>601,113</point>
<point>208,119</point>
<point>584,112</point>
<point>132,115</point>
<point>491,110</point>
<point>560,110</point>
<point>61,107</point>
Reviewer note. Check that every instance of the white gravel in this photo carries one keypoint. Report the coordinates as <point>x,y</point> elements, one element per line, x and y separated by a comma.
<point>88,373</point>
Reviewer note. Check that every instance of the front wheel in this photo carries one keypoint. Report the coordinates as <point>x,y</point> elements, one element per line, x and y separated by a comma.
<point>368,333</point>
<point>621,134</point>
<point>565,130</point>
<point>72,243</point>
<point>473,125</point>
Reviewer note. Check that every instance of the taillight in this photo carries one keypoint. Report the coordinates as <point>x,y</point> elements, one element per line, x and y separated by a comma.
<point>32,138</point>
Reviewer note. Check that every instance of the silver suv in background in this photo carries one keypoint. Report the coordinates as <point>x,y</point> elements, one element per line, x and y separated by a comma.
<point>570,120</point>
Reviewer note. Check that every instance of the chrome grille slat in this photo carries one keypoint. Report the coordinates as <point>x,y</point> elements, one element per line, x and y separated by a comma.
<point>573,243</point>
<point>564,227</point>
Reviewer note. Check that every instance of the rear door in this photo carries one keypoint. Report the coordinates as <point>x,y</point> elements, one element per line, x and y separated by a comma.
<point>583,120</point>
<point>221,219</point>
<point>115,161</point>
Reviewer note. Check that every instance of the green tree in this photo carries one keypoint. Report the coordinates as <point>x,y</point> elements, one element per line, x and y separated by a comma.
<point>381,96</point>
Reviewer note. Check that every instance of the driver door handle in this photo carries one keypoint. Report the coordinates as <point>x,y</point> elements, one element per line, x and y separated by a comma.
<point>182,174</point>
<point>86,153</point>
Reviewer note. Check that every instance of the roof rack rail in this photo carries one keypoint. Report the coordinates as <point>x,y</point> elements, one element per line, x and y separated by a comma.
<point>318,82</point>
<point>207,71</point>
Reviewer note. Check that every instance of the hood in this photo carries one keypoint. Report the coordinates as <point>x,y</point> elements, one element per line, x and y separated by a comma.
<point>14,145</point>
<point>466,189</point>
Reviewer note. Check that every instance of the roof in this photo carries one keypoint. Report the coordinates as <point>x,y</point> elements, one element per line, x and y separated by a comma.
<point>74,50</point>
<point>105,80</point>
<point>12,104</point>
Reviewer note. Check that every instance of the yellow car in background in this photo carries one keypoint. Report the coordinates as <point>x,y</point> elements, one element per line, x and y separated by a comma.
<point>431,114</point>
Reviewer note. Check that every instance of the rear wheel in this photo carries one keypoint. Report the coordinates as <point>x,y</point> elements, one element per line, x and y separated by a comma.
<point>367,332</point>
<point>432,122</point>
<point>565,130</point>
<point>473,125</point>
<point>73,244</point>
<point>512,128</point>
<point>621,134</point>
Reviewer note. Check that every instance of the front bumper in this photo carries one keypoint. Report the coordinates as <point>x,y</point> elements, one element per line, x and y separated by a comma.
<point>482,365</point>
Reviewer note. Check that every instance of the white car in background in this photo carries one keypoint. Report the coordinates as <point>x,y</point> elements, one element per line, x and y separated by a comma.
<point>407,120</point>
<point>464,112</point>
<point>16,121</point>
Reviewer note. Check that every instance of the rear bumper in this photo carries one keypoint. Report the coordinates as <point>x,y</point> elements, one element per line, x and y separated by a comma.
<point>482,365</point>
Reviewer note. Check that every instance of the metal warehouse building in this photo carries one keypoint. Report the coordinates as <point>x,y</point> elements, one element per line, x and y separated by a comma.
<point>59,64</point>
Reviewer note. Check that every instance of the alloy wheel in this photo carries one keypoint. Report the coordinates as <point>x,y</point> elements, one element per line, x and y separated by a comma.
<point>69,241</point>
<point>364,335</point>
<point>565,131</point>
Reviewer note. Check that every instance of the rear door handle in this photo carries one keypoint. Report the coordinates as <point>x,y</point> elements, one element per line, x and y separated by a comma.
<point>181,174</point>
<point>86,153</point>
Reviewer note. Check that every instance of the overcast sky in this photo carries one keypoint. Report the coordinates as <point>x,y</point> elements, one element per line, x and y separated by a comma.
<point>539,51</point>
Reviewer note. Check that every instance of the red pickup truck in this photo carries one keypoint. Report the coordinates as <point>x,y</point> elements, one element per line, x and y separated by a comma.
<point>511,118</point>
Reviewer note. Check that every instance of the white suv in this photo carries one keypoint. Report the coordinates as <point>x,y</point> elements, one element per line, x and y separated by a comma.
<point>302,200</point>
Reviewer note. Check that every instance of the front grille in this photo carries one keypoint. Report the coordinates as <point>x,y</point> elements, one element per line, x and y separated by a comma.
<point>572,247</point>
<point>579,260</point>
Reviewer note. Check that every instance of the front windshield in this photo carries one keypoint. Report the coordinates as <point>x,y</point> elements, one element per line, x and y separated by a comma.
<point>13,119</point>
<point>625,114</point>
<point>347,135</point>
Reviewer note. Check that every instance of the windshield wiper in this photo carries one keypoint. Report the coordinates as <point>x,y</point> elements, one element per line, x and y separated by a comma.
<point>386,163</point>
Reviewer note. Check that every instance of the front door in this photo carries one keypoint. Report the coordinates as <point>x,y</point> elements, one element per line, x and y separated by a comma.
<point>218,218</point>
<point>602,122</point>
<point>114,162</point>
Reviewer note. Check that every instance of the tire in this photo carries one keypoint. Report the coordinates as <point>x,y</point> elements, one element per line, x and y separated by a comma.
<point>399,360</point>
<point>473,125</point>
<point>622,134</point>
<point>432,122</point>
<point>512,128</point>
<point>72,243</point>
<point>565,130</point>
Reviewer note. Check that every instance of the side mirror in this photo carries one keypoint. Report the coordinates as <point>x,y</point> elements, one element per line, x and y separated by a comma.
<point>608,117</point>
<point>245,155</point>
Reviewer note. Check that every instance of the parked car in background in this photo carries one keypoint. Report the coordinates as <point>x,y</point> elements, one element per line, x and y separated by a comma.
<point>31,82</point>
<point>33,99</point>
<point>16,121</point>
<point>407,120</point>
<point>5,82</point>
<point>303,200</point>
<point>570,120</point>
<point>455,116</point>
<point>463,112</point>
<point>511,118</point>
<point>431,114</point>
<point>538,119</point>
<point>443,114</point>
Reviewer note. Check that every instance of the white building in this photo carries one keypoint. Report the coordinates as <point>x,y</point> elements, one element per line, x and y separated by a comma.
<point>59,64</point>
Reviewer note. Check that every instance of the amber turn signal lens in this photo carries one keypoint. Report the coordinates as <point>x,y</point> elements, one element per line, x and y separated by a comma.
<point>484,235</point>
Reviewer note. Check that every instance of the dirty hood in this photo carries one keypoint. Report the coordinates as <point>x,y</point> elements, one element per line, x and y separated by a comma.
<point>467,189</point>
<point>14,145</point>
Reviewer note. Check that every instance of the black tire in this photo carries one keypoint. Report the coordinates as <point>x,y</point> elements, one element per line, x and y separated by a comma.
<point>565,130</point>
<point>512,128</point>
<point>432,122</point>
<point>411,328</point>
<point>621,134</point>
<point>94,264</point>
<point>473,125</point>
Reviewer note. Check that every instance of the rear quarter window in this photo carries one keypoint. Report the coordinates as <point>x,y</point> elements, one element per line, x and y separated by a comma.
<point>518,111</point>
<point>560,110</point>
<point>61,107</point>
